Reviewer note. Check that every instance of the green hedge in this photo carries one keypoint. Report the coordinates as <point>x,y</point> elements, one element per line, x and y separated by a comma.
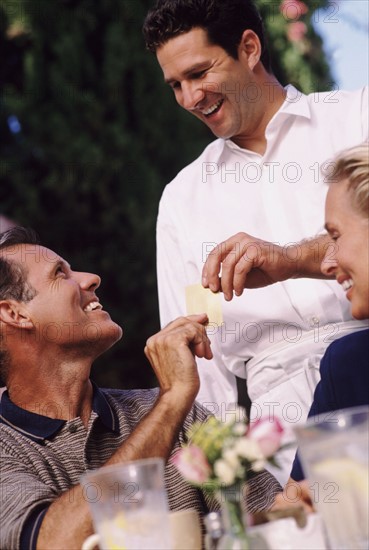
<point>100,136</point>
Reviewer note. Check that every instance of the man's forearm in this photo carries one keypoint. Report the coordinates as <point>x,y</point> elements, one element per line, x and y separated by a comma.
<point>244,261</point>
<point>68,522</point>
<point>155,434</point>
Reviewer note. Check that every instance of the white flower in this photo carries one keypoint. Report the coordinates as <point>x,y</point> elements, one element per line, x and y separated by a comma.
<point>239,429</point>
<point>248,448</point>
<point>224,472</point>
<point>230,455</point>
<point>258,465</point>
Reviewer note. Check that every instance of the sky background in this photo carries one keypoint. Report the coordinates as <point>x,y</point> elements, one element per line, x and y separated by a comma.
<point>344,28</point>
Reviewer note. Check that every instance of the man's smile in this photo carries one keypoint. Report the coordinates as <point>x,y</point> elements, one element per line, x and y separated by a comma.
<point>92,306</point>
<point>213,108</point>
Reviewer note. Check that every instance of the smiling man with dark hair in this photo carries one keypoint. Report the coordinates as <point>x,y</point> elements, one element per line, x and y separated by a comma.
<point>253,199</point>
<point>55,424</point>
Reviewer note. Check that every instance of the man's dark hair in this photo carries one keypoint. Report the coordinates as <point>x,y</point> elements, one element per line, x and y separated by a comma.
<point>13,280</point>
<point>13,276</point>
<point>223,20</point>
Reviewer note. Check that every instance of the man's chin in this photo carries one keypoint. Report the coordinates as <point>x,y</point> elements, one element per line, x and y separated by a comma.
<point>113,335</point>
<point>106,339</point>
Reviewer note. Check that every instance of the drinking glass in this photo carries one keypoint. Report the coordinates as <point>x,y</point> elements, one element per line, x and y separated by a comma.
<point>129,505</point>
<point>333,448</point>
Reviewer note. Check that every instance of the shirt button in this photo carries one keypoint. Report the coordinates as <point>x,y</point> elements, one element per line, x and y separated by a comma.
<point>314,321</point>
<point>73,428</point>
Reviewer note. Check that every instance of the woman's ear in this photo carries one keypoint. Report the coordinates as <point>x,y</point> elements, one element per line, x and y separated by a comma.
<point>15,314</point>
<point>250,48</point>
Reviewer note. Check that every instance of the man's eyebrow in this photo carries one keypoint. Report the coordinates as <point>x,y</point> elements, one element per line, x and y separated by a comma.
<point>61,263</point>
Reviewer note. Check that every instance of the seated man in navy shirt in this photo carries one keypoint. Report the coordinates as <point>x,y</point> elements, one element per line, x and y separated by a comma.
<point>55,424</point>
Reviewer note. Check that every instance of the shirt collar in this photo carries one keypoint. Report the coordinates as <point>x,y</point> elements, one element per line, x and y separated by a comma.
<point>103,409</point>
<point>295,104</point>
<point>38,427</point>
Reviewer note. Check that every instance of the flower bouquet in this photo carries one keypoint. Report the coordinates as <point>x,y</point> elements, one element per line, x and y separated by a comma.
<point>219,456</point>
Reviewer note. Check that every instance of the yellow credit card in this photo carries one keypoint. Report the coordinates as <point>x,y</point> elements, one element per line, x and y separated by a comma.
<point>203,300</point>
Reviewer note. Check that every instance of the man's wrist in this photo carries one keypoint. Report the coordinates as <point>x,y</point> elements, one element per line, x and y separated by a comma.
<point>310,254</point>
<point>180,399</point>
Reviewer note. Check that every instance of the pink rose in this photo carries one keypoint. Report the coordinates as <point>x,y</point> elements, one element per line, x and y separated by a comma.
<point>296,31</point>
<point>192,464</point>
<point>293,9</point>
<point>268,434</point>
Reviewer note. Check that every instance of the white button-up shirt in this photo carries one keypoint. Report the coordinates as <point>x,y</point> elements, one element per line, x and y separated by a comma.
<point>272,336</point>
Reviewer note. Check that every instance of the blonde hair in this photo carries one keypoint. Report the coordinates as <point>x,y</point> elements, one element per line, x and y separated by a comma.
<point>353,165</point>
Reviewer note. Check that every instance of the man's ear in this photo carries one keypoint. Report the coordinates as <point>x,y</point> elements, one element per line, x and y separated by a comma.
<point>250,48</point>
<point>15,314</point>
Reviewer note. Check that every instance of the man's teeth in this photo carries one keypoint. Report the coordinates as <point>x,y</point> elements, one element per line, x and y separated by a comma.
<point>92,306</point>
<point>347,284</point>
<point>212,108</point>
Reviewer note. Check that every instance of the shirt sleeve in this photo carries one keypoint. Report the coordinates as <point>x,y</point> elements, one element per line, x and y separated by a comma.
<point>324,401</point>
<point>171,265</point>
<point>176,268</point>
<point>24,502</point>
<point>31,528</point>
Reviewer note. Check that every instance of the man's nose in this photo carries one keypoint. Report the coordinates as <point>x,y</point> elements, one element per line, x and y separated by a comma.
<point>192,94</point>
<point>89,281</point>
<point>329,263</point>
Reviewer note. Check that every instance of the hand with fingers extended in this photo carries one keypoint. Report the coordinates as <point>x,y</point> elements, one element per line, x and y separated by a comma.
<point>246,262</point>
<point>172,353</point>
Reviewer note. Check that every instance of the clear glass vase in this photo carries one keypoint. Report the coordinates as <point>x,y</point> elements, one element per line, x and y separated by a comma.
<point>233,517</point>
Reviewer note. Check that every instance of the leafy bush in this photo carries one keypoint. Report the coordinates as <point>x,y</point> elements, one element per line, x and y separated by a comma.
<point>89,137</point>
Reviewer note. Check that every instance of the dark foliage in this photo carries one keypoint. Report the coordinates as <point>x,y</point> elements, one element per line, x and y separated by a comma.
<point>89,136</point>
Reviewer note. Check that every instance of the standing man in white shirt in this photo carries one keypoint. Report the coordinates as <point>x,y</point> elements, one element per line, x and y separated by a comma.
<point>261,177</point>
